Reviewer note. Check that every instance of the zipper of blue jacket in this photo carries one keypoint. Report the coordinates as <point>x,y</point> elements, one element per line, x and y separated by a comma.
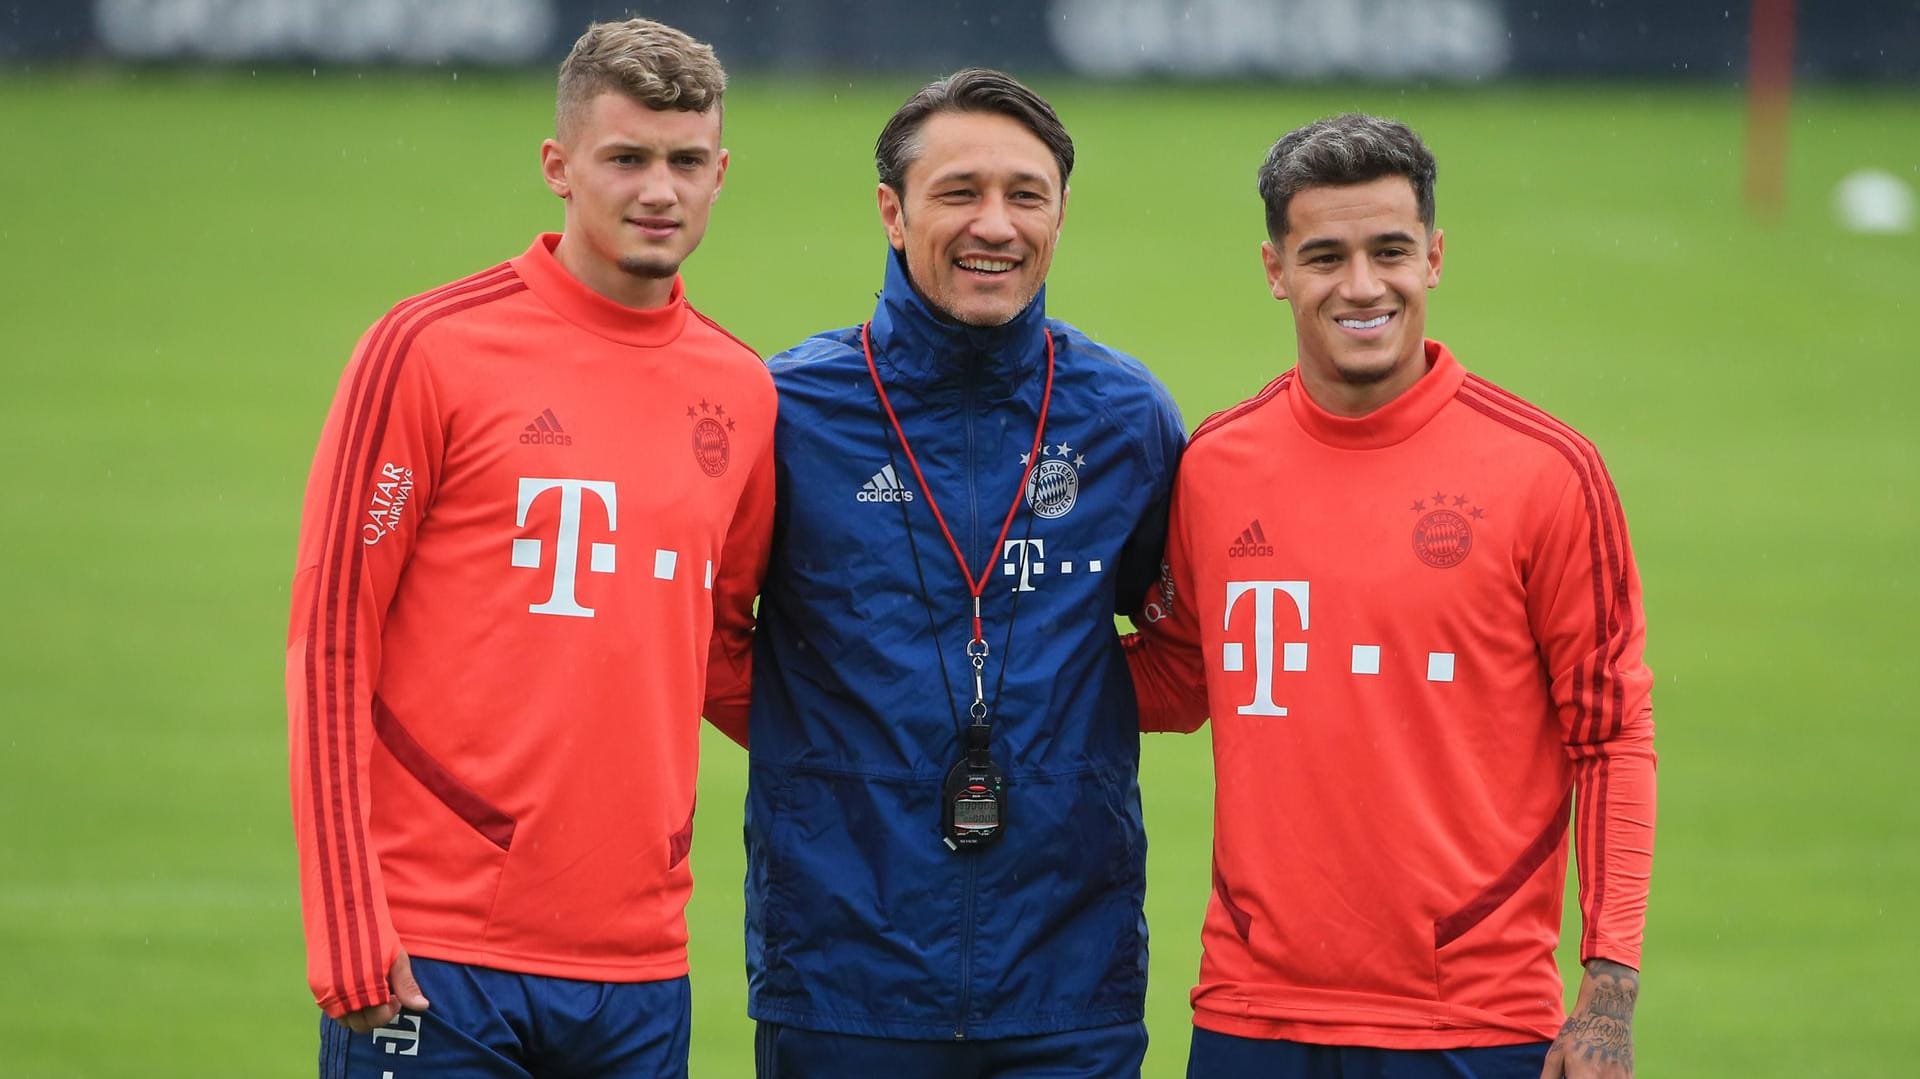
<point>966,947</point>
<point>976,363</point>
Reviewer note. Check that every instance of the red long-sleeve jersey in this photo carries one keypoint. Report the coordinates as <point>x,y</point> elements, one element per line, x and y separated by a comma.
<point>1419,637</point>
<point>530,511</point>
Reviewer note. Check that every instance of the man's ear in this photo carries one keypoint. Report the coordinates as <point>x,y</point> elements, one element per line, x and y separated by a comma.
<point>553,167</point>
<point>1270,258</point>
<point>893,216</point>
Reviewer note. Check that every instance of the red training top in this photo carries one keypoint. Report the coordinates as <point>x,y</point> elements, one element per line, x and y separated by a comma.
<point>1419,636</point>
<point>530,510</point>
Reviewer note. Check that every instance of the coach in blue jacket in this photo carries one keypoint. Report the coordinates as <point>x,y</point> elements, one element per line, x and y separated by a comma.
<point>946,862</point>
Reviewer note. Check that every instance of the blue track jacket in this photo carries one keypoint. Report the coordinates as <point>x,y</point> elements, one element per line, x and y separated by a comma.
<point>859,919</point>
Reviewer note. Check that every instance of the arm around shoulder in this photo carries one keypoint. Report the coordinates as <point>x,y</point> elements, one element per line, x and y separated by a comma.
<point>1164,656</point>
<point>736,586</point>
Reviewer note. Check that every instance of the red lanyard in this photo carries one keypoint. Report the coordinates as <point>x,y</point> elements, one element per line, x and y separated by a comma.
<point>975,586</point>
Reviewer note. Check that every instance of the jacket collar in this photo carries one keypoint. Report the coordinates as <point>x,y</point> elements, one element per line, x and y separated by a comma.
<point>917,346</point>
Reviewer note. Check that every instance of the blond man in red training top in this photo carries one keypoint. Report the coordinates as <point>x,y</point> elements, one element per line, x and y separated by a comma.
<point>540,492</point>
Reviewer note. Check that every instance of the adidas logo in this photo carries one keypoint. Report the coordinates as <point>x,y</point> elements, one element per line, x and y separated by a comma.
<point>884,487</point>
<point>1252,543</point>
<point>545,430</point>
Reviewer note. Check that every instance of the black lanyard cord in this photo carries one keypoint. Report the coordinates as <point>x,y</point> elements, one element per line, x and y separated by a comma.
<point>913,547</point>
<point>973,736</point>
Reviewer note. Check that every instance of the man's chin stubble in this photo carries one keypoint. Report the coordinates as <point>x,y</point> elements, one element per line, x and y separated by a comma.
<point>1365,376</point>
<point>648,268</point>
<point>979,323</point>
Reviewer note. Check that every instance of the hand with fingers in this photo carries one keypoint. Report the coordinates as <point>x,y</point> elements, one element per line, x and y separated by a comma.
<point>1596,1042</point>
<point>406,995</point>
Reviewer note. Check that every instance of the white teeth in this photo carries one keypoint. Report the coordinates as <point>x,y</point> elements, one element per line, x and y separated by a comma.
<point>986,265</point>
<point>1355,324</point>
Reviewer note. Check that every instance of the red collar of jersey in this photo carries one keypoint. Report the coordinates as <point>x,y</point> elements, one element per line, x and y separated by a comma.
<point>587,309</point>
<point>1391,423</point>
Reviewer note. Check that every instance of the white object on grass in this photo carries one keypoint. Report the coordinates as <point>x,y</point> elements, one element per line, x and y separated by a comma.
<point>1873,200</point>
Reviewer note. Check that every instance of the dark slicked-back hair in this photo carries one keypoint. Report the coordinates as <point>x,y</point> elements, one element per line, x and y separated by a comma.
<point>973,89</point>
<point>652,63</point>
<point>1352,148</point>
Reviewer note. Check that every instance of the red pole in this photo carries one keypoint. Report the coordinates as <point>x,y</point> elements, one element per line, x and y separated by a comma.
<point>1769,90</point>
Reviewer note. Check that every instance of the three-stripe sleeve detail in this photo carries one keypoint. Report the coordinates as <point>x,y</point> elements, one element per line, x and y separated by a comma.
<point>1597,690</point>
<point>340,845</point>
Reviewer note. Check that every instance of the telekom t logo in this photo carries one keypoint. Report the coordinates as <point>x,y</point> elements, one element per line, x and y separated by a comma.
<point>401,1036</point>
<point>1293,654</point>
<point>1027,559</point>
<point>566,548</point>
<point>1029,555</point>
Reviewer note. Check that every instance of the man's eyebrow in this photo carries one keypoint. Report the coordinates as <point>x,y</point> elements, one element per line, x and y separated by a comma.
<point>649,148</point>
<point>1316,243</point>
<point>970,176</point>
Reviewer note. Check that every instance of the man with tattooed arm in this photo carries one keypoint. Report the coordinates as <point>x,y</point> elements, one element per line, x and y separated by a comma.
<point>1406,598</point>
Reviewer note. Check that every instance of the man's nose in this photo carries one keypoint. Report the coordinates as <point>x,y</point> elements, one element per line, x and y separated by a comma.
<point>994,224</point>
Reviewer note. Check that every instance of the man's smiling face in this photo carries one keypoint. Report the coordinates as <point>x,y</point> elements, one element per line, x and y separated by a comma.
<point>979,217</point>
<point>1355,264</point>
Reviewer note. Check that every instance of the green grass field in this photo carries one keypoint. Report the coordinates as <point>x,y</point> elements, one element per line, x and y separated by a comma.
<point>188,260</point>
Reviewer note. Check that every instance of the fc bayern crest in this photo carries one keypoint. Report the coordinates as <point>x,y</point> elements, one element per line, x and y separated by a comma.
<point>1443,536</point>
<point>712,450</point>
<point>1055,484</point>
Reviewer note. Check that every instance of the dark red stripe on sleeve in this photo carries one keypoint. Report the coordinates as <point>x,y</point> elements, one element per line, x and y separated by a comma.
<point>379,378</point>
<point>1587,706</point>
<point>1597,684</point>
<point>1625,617</point>
<point>351,592</point>
<point>323,711</point>
<point>1593,853</point>
<point>1600,700</point>
<point>1613,522</point>
<point>327,796</point>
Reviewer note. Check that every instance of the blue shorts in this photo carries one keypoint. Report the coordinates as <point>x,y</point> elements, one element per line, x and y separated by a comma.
<point>783,1052</point>
<point>1223,1056</point>
<point>493,1024</point>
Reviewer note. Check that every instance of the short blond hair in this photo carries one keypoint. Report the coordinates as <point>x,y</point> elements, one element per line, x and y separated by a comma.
<point>652,63</point>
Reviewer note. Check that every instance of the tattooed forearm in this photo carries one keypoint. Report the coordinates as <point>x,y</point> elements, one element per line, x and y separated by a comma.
<point>1600,1031</point>
<point>1615,988</point>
